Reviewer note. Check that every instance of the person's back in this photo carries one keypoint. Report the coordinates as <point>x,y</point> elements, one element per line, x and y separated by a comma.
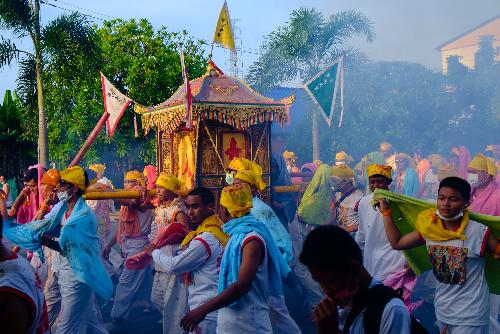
<point>250,314</point>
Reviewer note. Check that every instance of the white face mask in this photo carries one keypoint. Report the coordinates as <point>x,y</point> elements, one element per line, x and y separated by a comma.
<point>229,178</point>
<point>460,215</point>
<point>337,184</point>
<point>472,178</point>
<point>63,196</point>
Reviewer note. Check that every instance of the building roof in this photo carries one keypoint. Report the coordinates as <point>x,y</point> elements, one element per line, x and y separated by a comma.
<point>456,38</point>
<point>216,96</point>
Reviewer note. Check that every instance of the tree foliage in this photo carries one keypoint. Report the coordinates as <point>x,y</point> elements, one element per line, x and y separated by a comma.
<point>305,44</point>
<point>15,152</point>
<point>411,106</point>
<point>142,63</point>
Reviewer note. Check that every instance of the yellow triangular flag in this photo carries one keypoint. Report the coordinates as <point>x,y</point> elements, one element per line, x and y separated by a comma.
<point>223,32</point>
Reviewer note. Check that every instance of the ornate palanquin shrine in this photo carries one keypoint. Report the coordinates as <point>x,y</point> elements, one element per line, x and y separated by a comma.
<point>229,120</point>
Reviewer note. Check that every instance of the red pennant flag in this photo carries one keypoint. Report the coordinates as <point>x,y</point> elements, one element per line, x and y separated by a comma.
<point>115,104</point>
<point>187,90</point>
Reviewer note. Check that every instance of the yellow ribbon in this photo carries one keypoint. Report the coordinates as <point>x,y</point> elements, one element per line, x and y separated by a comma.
<point>430,226</point>
<point>213,225</point>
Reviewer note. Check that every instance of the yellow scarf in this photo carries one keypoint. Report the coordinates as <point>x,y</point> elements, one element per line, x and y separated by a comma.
<point>212,225</point>
<point>430,226</point>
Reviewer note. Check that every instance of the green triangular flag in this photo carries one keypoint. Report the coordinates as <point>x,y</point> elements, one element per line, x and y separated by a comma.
<point>322,88</point>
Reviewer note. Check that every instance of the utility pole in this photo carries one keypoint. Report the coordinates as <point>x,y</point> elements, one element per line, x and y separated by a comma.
<point>234,65</point>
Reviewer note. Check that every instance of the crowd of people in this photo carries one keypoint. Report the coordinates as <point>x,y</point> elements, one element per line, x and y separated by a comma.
<point>236,265</point>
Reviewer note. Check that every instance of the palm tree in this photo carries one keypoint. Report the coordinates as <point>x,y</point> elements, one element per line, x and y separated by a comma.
<point>59,41</point>
<point>303,46</point>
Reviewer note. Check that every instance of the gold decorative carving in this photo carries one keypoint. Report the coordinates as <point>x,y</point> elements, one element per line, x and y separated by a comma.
<point>166,155</point>
<point>212,182</point>
<point>260,155</point>
<point>224,90</point>
<point>208,155</point>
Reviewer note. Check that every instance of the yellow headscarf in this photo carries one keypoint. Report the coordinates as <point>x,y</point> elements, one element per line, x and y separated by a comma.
<point>213,225</point>
<point>343,171</point>
<point>342,156</point>
<point>430,226</point>
<point>169,182</point>
<point>98,168</point>
<point>237,199</point>
<point>446,170</point>
<point>74,175</point>
<point>238,164</point>
<point>375,169</point>
<point>135,175</point>
<point>483,163</point>
<point>252,178</point>
<point>289,155</point>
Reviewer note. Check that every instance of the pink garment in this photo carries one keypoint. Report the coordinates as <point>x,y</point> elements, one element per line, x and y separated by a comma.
<point>28,209</point>
<point>311,166</point>
<point>404,280</point>
<point>423,166</point>
<point>152,175</point>
<point>170,234</point>
<point>464,159</point>
<point>487,201</point>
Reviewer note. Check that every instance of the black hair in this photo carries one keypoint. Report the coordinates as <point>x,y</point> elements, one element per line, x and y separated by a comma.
<point>207,197</point>
<point>380,175</point>
<point>30,174</point>
<point>329,247</point>
<point>458,184</point>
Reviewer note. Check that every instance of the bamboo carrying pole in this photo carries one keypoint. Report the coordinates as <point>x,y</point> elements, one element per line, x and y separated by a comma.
<point>93,135</point>
<point>116,194</point>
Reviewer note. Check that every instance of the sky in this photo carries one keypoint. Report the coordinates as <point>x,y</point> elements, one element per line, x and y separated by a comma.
<point>405,30</point>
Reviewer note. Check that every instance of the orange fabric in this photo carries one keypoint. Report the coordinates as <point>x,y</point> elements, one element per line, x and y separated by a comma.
<point>128,223</point>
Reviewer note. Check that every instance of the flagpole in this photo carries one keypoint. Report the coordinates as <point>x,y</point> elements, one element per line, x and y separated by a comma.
<point>93,135</point>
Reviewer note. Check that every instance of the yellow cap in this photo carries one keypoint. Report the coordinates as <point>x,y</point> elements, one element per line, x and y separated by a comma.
<point>342,156</point>
<point>343,171</point>
<point>376,169</point>
<point>289,155</point>
<point>237,199</point>
<point>74,175</point>
<point>135,175</point>
<point>51,177</point>
<point>483,163</point>
<point>169,182</point>
<point>98,168</point>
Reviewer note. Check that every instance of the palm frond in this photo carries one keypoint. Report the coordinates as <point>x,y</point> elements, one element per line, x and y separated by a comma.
<point>26,90</point>
<point>346,24</point>
<point>8,52</point>
<point>68,39</point>
<point>17,15</point>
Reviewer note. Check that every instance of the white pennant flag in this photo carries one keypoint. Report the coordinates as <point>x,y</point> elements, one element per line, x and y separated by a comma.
<point>115,104</point>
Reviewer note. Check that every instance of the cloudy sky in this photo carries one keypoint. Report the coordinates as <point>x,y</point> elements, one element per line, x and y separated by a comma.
<point>406,30</point>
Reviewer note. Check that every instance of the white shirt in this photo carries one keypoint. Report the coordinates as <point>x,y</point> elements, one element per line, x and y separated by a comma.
<point>465,304</point>
<point>250,314</point>
<point>19,275</point>
<point>379,259</point>
<point>395,318</point>
<point>202,259</point>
